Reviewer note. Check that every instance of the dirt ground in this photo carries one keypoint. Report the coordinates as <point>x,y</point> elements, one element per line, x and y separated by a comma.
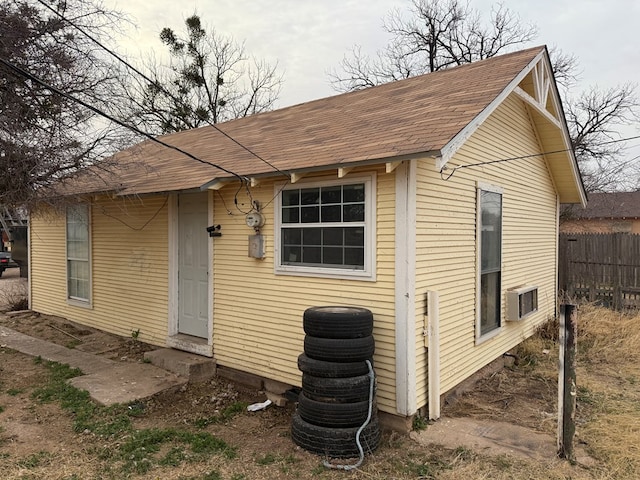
<point>33,430</point>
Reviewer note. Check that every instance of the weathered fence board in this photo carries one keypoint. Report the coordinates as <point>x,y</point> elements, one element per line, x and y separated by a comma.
<point>602,268</point>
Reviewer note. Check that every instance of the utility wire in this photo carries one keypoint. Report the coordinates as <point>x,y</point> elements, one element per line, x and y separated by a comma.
<point>24,73</point>
<point>137,229</point>
<point>155,83</point>
<point>620,140</point>
<point>523,157</point>
<point>491,162</point>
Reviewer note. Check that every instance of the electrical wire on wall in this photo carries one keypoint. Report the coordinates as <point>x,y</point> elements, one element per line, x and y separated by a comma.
<point>137,229</point>
<point>224,204</point>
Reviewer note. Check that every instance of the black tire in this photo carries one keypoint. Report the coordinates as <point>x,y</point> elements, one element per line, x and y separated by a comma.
<point>339,349</point>
<point>339,415</point>
<point>336,390</point>
<point>320,368</point>
<point>338,322</point>
<point>334,442</point>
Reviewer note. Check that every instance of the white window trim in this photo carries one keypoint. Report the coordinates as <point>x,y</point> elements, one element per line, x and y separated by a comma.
<point>75,301</point>
<point>369,272</point>
<point>486,187</point>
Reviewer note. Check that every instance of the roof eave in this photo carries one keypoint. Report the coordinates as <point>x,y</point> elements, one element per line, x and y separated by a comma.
<point>342,167</point>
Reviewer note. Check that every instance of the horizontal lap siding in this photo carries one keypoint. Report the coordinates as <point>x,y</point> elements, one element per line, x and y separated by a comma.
<point>446,239</point>
<point>47,279</point>
<point>129,267</point>
<point>258,314</point>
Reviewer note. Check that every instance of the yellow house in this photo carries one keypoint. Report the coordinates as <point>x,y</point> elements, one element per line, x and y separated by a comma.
<point>431,201</point>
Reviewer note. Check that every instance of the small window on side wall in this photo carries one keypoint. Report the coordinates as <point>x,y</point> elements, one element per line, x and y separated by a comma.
<point>326,228</point>
<point>78,253</point>
<point>489,239</point>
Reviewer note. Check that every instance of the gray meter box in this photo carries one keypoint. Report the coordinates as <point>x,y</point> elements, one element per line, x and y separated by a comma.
<point>256,246</point>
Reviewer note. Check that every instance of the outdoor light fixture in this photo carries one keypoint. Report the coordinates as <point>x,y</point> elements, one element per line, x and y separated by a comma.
<point>214,231</point>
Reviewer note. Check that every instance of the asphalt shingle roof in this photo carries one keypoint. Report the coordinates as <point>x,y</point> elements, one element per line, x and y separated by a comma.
<point>611,205</point>
<point>417,115</point>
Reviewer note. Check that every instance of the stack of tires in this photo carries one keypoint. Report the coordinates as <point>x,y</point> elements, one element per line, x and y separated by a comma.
<point>337,384</point>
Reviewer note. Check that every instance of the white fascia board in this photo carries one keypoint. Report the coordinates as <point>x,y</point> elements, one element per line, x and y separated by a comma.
<point>449,150</point>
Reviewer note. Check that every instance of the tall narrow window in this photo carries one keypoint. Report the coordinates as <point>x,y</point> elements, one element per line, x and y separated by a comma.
<point>78,253</point>
<point>490,238</point>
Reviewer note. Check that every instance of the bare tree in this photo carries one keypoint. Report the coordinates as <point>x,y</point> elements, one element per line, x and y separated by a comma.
<point>210,79</point>
<point>593,118</point>
<point>438,34</point>
<point>44,134</point>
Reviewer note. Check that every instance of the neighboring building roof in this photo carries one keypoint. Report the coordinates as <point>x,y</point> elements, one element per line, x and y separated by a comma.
<point>610,205</point>
<point>419,115</point>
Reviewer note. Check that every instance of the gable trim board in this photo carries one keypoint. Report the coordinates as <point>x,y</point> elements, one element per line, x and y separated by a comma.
<point>424,230</point>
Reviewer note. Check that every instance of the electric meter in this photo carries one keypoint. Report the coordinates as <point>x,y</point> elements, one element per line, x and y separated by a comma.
<point>254,220</point>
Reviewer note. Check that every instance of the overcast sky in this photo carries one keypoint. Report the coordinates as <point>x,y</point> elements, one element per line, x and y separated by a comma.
<point>308,38</point>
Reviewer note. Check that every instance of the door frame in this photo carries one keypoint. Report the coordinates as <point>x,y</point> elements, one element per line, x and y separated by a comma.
<point>200,346</point>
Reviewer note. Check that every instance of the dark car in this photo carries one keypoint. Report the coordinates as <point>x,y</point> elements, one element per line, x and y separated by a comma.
<point>5,260</point>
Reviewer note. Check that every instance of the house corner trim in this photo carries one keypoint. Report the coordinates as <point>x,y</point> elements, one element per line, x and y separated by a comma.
<point>173,265</point>
<point>405,282</point>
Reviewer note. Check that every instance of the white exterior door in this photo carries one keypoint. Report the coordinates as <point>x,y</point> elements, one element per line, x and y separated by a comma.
<point>193,265</point>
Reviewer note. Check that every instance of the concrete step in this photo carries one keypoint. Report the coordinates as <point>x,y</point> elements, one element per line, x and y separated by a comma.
<point>127,382</point>
<point>191,366</point>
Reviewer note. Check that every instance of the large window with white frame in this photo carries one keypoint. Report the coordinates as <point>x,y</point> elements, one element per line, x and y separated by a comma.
<point>490,259</point>
<point>327,228</point>
<point>78,252</point>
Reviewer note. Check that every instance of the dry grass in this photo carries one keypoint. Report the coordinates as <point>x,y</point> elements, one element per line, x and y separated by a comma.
<point>609,389</point>
<point>14,296</point>
<point>609,339</point>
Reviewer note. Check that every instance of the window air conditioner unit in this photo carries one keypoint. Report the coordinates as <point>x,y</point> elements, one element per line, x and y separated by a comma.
<point>521,302</point>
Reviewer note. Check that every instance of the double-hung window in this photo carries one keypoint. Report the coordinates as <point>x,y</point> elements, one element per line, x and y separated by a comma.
<point>326,228</point>
<point>490,258</point>
<point>78,248</point>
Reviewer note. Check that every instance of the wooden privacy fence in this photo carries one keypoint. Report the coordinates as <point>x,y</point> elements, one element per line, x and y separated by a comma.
<point>601,267</point>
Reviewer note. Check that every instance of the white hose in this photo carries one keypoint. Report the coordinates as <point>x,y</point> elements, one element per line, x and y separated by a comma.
<point>362,427</point>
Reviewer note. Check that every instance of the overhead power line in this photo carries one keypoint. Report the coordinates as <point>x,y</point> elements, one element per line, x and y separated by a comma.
<point>620,140</point>
<point>523,157</point>
<point>491,162</point>
<point>23,73</point>
<point>158,85</point>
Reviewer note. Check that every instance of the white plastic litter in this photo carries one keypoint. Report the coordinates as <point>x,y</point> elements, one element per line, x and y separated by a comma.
<point>259,406</point>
